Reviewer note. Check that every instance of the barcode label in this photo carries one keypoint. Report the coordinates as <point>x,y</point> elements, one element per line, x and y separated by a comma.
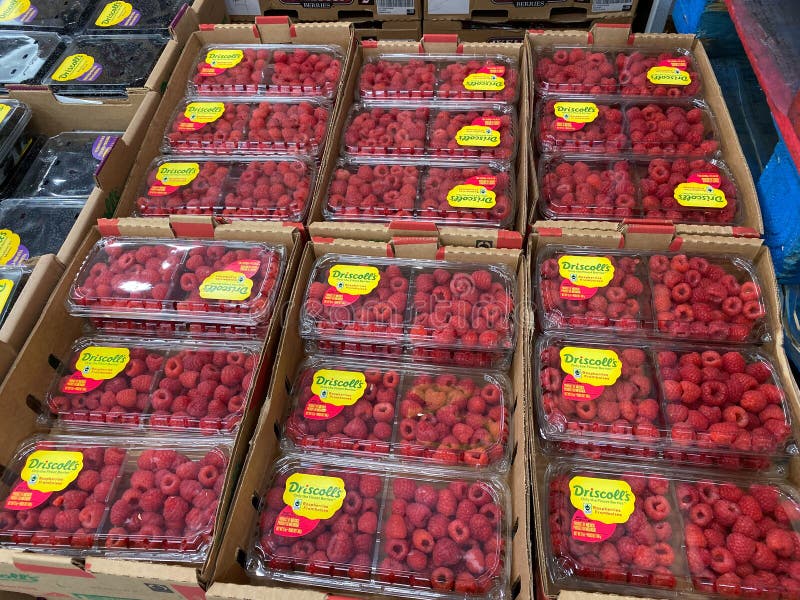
<point>395,7</point>
<point>610,5</point>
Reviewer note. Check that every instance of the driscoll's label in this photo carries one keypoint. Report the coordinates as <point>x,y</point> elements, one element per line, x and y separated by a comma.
<point>583,275</point>
<point>348,282</point>
<point>601,504</point>
<point>309,499</point>
<point>588,371</point>
<point>333,390</point>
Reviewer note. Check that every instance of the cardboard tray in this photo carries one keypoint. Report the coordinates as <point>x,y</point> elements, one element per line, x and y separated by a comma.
<point>230,580</point>
<point>478,237</point>
<point>616,36</point>
<point>27,383</point>
<point>556,11</point>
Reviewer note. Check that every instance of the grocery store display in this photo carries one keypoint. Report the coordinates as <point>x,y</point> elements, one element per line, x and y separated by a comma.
<point>25,57</point>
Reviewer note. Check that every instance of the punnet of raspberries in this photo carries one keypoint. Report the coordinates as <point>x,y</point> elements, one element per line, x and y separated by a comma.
<point>634,70</point>
<point>229,71</point>
<point>574,70</point>
<point>167,504</point>
<point>303,71</point>
<point>723,408</point>
<point>644,551</point>
<point>274,188</point>
<point>69,518</point>
<point>623,418</point>
<point>605,134</point>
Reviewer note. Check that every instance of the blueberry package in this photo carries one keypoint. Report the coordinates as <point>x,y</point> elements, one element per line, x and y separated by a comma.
<point>65,166</point>
<point>25,56</point>
<point>105,65</point>
<point>62,16</point>
<point>139,16</point>
<point>32,227</point>
<point>14,141</point>
<point>12,280</point>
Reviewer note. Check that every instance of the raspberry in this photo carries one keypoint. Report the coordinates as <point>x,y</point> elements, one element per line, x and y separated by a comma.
<point>395,527</point>
<point>445,553</point>
<point>645,558</point>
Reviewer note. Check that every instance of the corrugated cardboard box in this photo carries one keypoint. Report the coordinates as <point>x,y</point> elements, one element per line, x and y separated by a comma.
<point>555,11</point>
<point>337,10</point>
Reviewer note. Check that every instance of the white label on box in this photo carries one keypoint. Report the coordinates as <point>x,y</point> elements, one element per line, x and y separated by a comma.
<point>448,7</point>
<point>610,5</point>
<point>243,7</point>
<point>395,7</point>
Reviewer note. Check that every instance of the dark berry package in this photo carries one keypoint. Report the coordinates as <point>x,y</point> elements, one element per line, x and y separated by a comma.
<point>105,65</point>
<point>277,188</point>
<point>666,295</point>
<point>45,15</point>
<point>66,164</point>
<point>36,226</point>
<point>12,280</point>
<point>367,531</point>
<point>655,532</point>
<point>212,125</point>
<point>183,286</point>
<point>471,194</point>
<point>409,413</point>
<point>14,140</point>
<point>138,16</point>
<point>679,190</point>
<point>445,313</point>
<point>199,387</point>
<point>26,56</point>
<point>440,77</point>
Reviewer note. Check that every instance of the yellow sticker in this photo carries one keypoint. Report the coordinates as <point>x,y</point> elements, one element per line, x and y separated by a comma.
<point>222,58</point>
<point>4,110</point>
<point>73,67</point>
<point>478,135</point>
<point>204,112</point>
<point>6,287</point>
<point>662,75</point>
<point>586,271</point>
<point>594,366</point>
<point>471,196</point>
<point>356,280</point>
<point>226,285</point>
<point>699,195</point>
<point>177,174</point>
<point>576,112</point>
<point>9,244</point>
<point>484,82</point>
<point>13,9</point>
<point>97,362</point>
<point>114,13</point>
<point>340,388</point>
<point>604,500</point>
<point>314,496</point>
<point>51,470</point>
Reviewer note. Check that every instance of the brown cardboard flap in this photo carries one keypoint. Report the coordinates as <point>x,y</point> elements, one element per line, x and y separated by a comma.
<point>600,239</point>
<point>421,248</point>
<point>569,595</point>
<point>150,571</point>
<point>275,30</point>
<point>132,227</point>
<point>510,258</point>
<point>323,245</point>
<point>610,34</point>
<point>440,43</point>
<point>230,591</point>
<point>704,244</point>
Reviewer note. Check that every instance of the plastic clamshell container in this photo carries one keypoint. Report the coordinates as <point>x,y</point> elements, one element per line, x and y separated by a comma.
<point>616,72</point>
<point>685,404</point>
<point>267,70</point>
<point>42,225</point>
<point>12,280</point>
<point>440,312</point>
<point>376,561</point>
<point>480,194</point>
<point>66,164</point>
<point>677,128</point>
<point>791,322</point>
<point>155,384</point>
<point>269,188</point>
<point>105,65</point>
<point>440,130</point>
<point>665,295</point>
<point>683,191</point>
<point>213,286</point>
<point>679,506</point>
<point>24,55</point>
<point>14,141</point>
<point>139,16</point>
<point>408,413</point>
<point>493,78</point>
<point>214,125</point>
<point>103,499</point>
<point>45,15</point>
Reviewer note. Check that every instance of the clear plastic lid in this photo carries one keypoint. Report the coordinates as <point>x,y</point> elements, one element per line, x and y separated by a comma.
<point>101,65</point>
<point>53,15</point>
<point>156,384</point>
<point>410,413</point>
<point>443,77</point>
<point>683,191</point>
<point>275,188</point>
<point>687,404</point>
<point>607,72</point>
<point>12,280</point>
<point>471,194</point>
<point>446,313</point>
<point>231,126</point>
<point>36,226</point>
<point>65,166</point>
<point>193,281</point>
<point>657,532</point>
<point>267,70</point>
<point>406,130</point>
<point>400,534</point>
<point>668,295</point>
<point>153,499</point>
<point>138,16</point>
<point>24,56</point>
